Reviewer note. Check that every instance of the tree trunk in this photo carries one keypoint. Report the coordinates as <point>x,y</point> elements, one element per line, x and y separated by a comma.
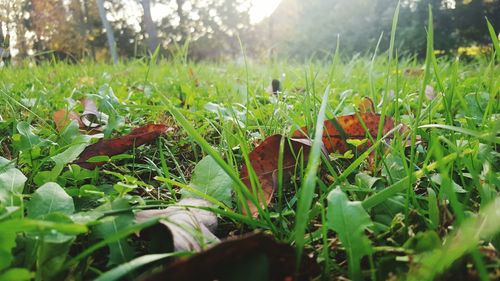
<point>88,29</point>
<point>150,27</point>
<point>182,20</point>
<point>109,31</point>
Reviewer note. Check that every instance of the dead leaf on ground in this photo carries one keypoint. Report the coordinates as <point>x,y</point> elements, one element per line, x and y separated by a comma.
<point>91,117</point>
<point>336,136</point>
<point>366,105</point>
<point>265,159</point>
<point>338,130</point>
<point>115,146</point>
<point>183,226</point>
<point>256,257</point>
<point>62,118</point>
<point>91,121</point>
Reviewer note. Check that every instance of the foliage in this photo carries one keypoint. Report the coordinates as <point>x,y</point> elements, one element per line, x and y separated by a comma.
<point>213,29</point>
<point>402,206</point>
<point>349,220</point>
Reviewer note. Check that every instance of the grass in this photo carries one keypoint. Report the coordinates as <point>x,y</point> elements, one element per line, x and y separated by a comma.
<point>458,132</point>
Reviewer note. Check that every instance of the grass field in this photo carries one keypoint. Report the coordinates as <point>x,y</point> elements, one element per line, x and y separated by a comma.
<point>423,204</point>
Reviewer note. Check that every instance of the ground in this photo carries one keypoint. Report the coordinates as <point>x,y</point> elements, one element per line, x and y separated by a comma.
<point>401,210</point>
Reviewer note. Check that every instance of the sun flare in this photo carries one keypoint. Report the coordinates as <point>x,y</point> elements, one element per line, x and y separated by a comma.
<point>262,9</point>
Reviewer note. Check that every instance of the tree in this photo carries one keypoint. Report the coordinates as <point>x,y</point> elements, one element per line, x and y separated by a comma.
<point>109,31</point>
<point>212,27</point>
<point>309,28</point>
<point>150,26</point>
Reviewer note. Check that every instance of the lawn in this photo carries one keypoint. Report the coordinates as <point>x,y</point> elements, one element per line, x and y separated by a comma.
<point>413,198</point>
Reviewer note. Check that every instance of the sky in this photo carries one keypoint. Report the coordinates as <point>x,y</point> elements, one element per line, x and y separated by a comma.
<point>262,9</point>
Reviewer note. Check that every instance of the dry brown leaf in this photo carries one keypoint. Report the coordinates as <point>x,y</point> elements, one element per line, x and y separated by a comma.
<point>264,158</point>
<point>62,118</point>
<point>115,146</point>
<point>236,257</point>
<point>366,105</point>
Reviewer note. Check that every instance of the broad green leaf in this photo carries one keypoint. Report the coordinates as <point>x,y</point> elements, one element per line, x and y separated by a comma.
<point>7,243</point>
<point>75,143</point>
<point>61,159</point>
<point>51,247</point>
<point>124,188</point>
<point>365,181</point>
<point>17,274</point>
<point>112,237</point>
<point>210,179</point>
<point>394,167</point>
<point>71,153</point>
<point>50,198</point>
<point>437,179</point>
<point>28,138</point>
<point>69,133</point>
<point>11,183</point>
<point>423,241</point>
<point>119,251</point>
<point>10,228</point>
<point>349,220</point>
<point>98,158</point>
<point>53,236</point>
<point>9,212</point>
<point>476,104</point>
<point>385,212</point>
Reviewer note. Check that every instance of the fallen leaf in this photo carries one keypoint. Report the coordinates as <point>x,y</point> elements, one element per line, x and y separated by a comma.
<point>89,122</point>
<point>265,158</point>
<point>62,118</point>
<point>91,118</point>
<point>115,146</point>
<point>183,226</point>
<point>252,257</point>
<point>366,105</point>
<point>339,130</point>
<point>337,136</point>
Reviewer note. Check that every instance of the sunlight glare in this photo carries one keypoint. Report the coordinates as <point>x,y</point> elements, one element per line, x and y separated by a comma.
<point>262,8</point>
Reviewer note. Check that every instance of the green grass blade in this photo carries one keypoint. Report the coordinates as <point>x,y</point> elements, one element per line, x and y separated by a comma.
<point>400,185</point>
<point>112,238</point>
<point>128,267</point>
<point>309,182</point>
<point>489,136</point>
<point>457,244</point>
<point>494,39</point>
<point>240,188</point>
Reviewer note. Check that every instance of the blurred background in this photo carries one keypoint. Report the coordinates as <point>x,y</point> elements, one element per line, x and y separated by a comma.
<point>103,30</point>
